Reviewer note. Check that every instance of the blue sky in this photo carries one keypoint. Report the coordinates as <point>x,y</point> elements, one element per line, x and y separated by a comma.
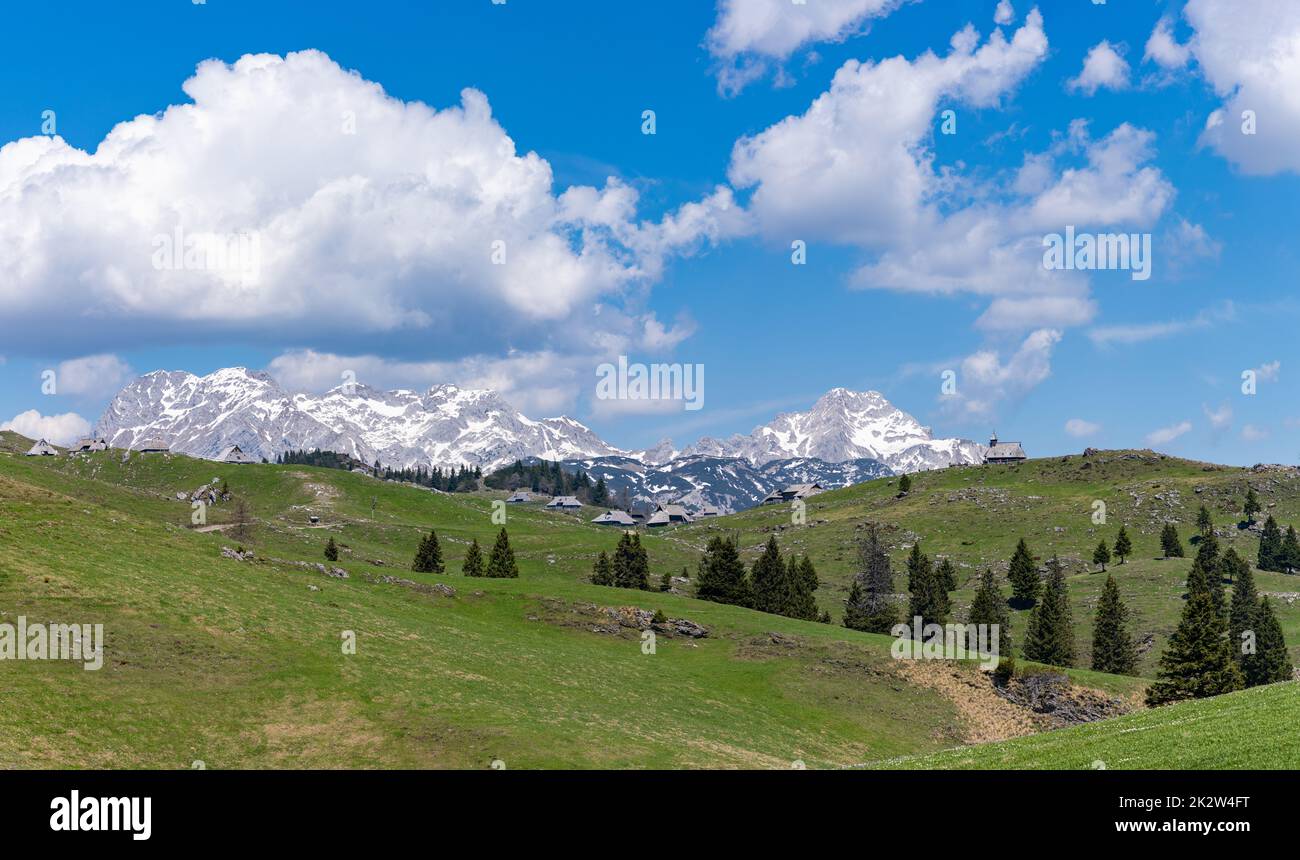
<point>921,245</point>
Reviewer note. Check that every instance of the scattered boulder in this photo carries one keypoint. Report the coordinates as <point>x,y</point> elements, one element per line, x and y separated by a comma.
<point>227,552</point>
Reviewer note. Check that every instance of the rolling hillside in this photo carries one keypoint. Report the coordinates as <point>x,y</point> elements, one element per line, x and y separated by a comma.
<point>239,664</point>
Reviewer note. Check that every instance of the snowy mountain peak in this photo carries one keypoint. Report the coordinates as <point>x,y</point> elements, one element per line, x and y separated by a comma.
<point>450,426</point>
<point>845,425</point>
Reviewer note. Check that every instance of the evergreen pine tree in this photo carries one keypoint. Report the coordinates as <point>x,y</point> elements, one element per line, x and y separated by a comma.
<point>331,550</point>
<point>1123,546</point>
<point>641,564</point>
<point>501,563</point>
<point>855,608</point>
<point>721,574</point>
<point>988,607</point>
<point>666,582</point>
<point>916,561</point>
<point>1232,566</point>
<point>420,564</point>
<point>1023,576</point>
<point>929,600</point>
<point>904,484</point>
<point>1270,663</point>
<point>1242,612</point>
<point>473,563</point>
<point>1289,560</point>
<point>631,566</point>
<point>1049,637</point>
<point>1198,661</point>
<point>947,573</point>
<point>599,493</point>
<point>804,584</point>
<point>1252,506</point>
<point>1270,546</point>
<point>1207,554</point>
<point>602,572</point>
<point>873,609</point>
<point>1112,647</point>
<point>1169,542</point>
<point>768,580</point>
<point>1101,555</point>
<point>428,557</point>
<point>1204,522</point>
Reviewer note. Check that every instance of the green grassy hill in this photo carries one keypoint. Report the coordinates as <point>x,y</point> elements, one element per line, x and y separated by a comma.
<point>239,663</point>
<point>1251,729</point>
<point>975,515</point>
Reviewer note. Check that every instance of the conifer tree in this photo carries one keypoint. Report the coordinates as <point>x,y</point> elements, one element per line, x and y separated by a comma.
<point>804,584</point>
<point>1270,546</point>
<point>1049,637</point>
<point>917,561</point>
<point>855,608</point>
<point>721,574</point>
<point>1207,556</point>
<point>947,573</point>
<point>1204,522</point>
<point>1169,542</point>
<point>872,608</point>
<point>473,563</point>
<point>1232,566</point>
<point>501,563</point>
<point>428,557</point>
<point>1289,560</point>
<point>988,607</point>
<point>666,582</point>
<point>768,579</point>
<point>1242,612</point>
<point>1252,505</point>
<point>602,573</point>
<point>929,600</point>
<point>1023,576</point>
<point>1101,555</point>
<point>1112,647</point>
<point>630,563</point>
<point>1123,546</point>
<point>599,493</point>
<point>904,484</point>
<point>1198,661</point>
<point>1270,663</point>
<point>331,550</point>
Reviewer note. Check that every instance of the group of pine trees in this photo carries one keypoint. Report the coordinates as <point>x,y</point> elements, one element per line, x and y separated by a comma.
<point>1220,645</point>
<point>1278,553</point>
<point>781,586</point>
<point>1123,549</point>
<point>629,568</point>
<point>499,565</point>
<point>461,480</point>
<point>869,606</point>
<point>549,478</point>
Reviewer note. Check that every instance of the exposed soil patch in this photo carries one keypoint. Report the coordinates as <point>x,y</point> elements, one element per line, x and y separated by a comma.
<point>985,715</point>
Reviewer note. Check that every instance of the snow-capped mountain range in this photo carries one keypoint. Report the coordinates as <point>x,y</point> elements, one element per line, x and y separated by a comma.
<point>450,426</point>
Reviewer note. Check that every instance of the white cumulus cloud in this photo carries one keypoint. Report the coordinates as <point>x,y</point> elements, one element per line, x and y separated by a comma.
<point>1165,435</point>
<point>1079,428</point>
<point>1249,52</point>
<point>1103,68</point>
<point>92,375</point>
<point>1164,49</point>
<point>360,214</point>
<point>749,34</point>
<point>59,429</point>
